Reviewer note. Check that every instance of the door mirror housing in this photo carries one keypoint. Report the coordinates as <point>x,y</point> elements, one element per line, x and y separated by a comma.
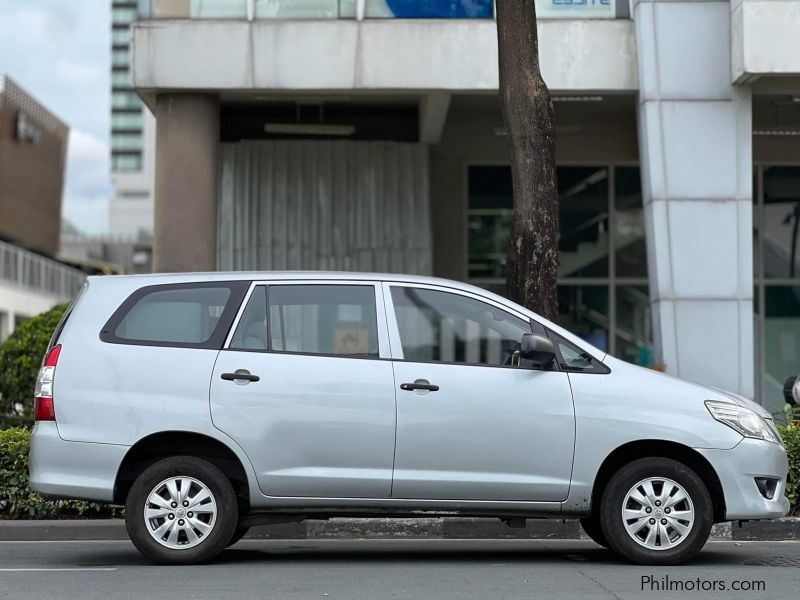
<point>537,349</point>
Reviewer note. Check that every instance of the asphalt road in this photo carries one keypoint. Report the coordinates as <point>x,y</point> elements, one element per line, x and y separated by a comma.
<point>368,570</point>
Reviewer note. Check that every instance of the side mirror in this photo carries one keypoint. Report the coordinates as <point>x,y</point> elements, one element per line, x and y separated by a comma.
<point>537,349</point>
<point>791,390</point>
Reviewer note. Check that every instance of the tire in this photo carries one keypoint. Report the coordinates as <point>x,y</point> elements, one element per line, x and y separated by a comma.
<point>238,535</point>
<point>591,525</point>
<point>677,541</point>
<point>203,533</point>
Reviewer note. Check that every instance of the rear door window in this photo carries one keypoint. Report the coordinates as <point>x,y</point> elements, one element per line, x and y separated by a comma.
<point>180,315</point>
<point>338,320</point>
<point>251,332</point>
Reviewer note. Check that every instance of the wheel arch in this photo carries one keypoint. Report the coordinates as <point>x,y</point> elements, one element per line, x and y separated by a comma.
<point>164,444</point>
<point>631,451</point>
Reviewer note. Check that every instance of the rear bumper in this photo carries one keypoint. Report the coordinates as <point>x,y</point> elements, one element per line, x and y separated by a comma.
<point>64,469</point>
<point>737,469</point>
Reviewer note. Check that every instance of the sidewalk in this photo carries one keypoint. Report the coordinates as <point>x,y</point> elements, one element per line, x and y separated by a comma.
<point>787,528</point>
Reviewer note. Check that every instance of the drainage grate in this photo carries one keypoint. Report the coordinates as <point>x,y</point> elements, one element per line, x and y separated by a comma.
<point>775,561</point>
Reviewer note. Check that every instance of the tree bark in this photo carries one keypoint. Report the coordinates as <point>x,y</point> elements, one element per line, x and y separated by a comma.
<point>532,255</point>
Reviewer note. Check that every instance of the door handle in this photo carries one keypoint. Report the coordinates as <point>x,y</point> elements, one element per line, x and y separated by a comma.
<point>419,384</point>
<point>240,375</point>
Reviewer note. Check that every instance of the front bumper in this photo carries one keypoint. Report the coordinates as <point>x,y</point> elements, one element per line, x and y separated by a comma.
<point>737,470</point>
<point>62,469</point>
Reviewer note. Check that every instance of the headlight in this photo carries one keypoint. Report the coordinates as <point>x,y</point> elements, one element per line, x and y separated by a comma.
<point>743,420</point>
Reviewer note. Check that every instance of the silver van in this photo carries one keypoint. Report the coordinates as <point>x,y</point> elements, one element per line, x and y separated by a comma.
<point>209,403</point>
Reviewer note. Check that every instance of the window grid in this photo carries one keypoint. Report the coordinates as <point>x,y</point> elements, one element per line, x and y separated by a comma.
<point>612,283</point>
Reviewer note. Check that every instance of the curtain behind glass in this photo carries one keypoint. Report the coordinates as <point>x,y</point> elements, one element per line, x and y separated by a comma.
<point>325,205</point>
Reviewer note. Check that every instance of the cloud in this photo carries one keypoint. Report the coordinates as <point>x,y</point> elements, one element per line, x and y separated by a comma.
<point>85,146</point>
<point>88,188</point>
<point>78,74</point>
<point>42,25</point>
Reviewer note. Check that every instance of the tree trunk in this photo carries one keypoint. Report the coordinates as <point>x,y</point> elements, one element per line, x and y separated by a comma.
<point>532,256</point>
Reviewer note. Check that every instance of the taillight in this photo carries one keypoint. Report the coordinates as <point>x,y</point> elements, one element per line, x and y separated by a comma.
<point>44,407</point>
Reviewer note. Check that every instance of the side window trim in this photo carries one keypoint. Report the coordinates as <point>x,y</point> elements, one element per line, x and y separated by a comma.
<point>380,315</point>
<point>238,289</point>
<point>394,329</point>
<point>597,368</point>
<point>242,309</point>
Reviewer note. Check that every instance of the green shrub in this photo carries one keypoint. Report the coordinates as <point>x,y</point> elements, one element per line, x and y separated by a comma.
<point>17,501</point>
<point>791,439</point>
<point>20,358</point>
<point>7,422</point>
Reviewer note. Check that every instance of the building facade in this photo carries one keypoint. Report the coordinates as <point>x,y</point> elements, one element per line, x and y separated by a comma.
<point>132,136</point>
<point>367,135</point>
<point>33,148</point>
<point>33,151</point>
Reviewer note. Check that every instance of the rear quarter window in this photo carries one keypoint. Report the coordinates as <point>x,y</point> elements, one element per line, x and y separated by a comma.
<point>190,315</point>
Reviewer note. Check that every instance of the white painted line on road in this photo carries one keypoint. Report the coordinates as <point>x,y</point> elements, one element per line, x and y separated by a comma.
<point>65,541</point>
<point>57,569</point>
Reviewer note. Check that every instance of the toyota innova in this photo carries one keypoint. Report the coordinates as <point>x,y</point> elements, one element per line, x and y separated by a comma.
<point>209,403</point>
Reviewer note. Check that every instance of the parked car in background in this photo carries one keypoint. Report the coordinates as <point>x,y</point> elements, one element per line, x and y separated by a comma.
<point>207,403</point>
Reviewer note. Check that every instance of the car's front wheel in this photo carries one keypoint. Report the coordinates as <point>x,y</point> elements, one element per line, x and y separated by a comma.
<point>656,511</point>
<point>181,510</point>
<point>591,525</point>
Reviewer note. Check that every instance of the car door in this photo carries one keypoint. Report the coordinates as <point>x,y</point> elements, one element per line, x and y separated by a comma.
<point>304,387</point>
<point>472,422</point>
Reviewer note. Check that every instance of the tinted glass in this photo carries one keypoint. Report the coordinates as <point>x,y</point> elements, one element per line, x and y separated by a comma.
<point>185,315</point>
<point>583,310</point>
<point>634,329</point>
<point>583,221</point>
<point>781,342</point>
<point>251,332</point>
<point>780,224</point>
<point>323,319</point>
<point>629,241</point>
<point>583,241</point>
<point>439,326</point>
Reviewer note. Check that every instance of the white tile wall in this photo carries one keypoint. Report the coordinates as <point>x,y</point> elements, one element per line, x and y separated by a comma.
<point>696,162</point>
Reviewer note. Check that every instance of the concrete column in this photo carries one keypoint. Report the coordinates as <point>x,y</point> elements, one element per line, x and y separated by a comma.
<point>187,147</point>
<point>696,158</point>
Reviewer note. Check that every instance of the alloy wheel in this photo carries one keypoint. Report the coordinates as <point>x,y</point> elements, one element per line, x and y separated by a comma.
<point>658,513</point>
<point>180,512</point>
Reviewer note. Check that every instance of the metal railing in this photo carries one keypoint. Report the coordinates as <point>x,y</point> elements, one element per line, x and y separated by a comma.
<point>38,273</point>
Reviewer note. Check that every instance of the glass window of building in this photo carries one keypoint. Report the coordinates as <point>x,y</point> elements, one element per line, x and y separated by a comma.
<point>126,162</point>
<point>777,278</point>
<point>121,79</point>
<point>603,294</point>
<point>124,14</point>
<point>583,241</point>
<point>125,100</point>
<point>126,141</point>
<point>127,120</point>
<point>780,222</point>
<point>629,236</point>
<point>120,57</point>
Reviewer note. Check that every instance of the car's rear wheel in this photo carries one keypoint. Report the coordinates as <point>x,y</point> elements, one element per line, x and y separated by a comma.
<point>181,510</point>
<point>656,511</point>
<point>591,525</point>
<point>238,535</point>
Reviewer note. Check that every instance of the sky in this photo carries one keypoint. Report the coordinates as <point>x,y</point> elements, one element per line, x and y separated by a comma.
<point>59,52</point>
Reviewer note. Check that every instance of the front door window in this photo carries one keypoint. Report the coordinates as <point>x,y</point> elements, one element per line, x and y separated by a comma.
<point>444,327</point>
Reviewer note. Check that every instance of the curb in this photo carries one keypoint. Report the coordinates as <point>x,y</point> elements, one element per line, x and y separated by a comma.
<point>787,528</point>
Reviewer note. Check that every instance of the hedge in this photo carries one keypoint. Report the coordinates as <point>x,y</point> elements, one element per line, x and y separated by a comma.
<point>17,501</point>
<point>20,358</point>
<point>791,439</point>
